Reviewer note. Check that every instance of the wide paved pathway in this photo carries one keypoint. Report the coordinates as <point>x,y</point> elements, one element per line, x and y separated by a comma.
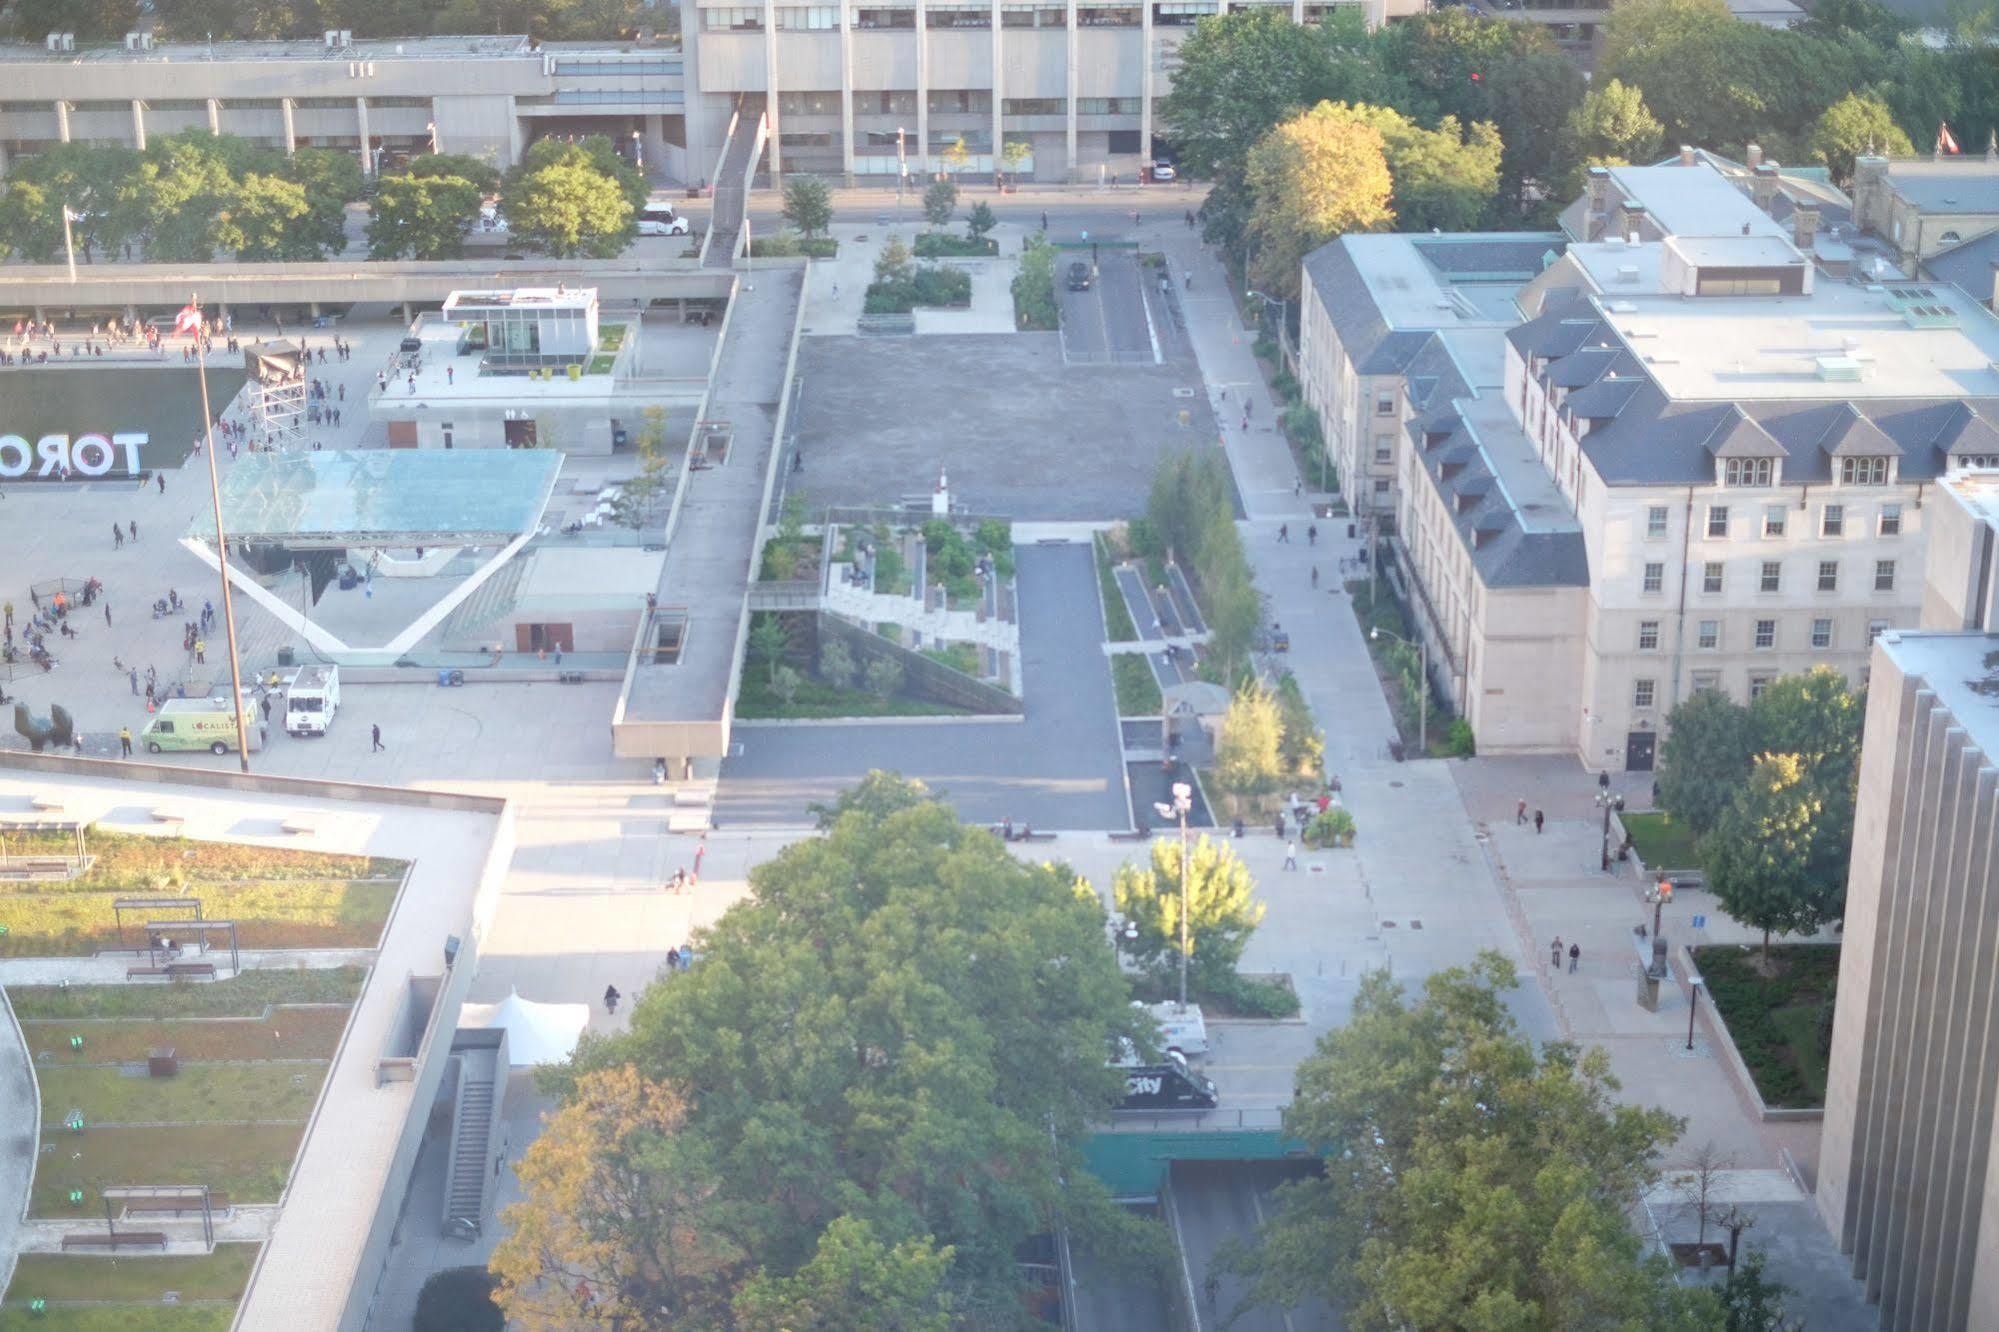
<point>20,1130</point>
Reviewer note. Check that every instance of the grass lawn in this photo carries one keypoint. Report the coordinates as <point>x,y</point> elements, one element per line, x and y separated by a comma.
<point>1137,688</point>
<point>1777,1021</point>
<point>1660,842</point>
<point>247,995</point>
<point>816,700</point>
<point>249,1163</point>
<point>121,1317</point>
<point>1117,616</point>
<point>291,913</point>
<point>220,1275</point>
<point>289,1033</point>
<point>199,1092</point>
<point>159,866</point>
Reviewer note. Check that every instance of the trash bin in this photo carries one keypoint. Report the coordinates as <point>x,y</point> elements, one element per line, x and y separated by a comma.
<point>450,679</point>
<point>1395,750</point>
<point>287,656</point>
<point>1351,532</point>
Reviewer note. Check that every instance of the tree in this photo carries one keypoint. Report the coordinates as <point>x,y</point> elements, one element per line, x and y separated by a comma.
<point>30,222</point>
<point>1704,759</point>
<point>1752,1302</point>
<point>1014,156</point>
<point>90,20</point>
<point>1034,286</point>
<point>980,220</point>
<point>894,263</point>
<point>884,677</point>
<point>570,210</point>
<point>1471,1181</point>
<point>784,682</point>
<point>1248,752</point>
<point>808,204</point>
<point>1444,179</point>
<point>836,664</point>
<point>770,643</point>
<point>485,177</point>
<point>940,200</point>
<point>1853,125</point>
<point>186,184</point>
<point>331,180</point>
<point>854,1283</point>
<point>859,1030</point>
<point>1694,62</point>
<point>1610,127</point>
<point>421,217</point>
<point>596,152</point>
<point>457,1299</point>
<point>1312,178</point>
<point>1816,717</point>
<point>261,220</point>
<point>957,157</point>
<point>97,181</point>
<point>1221,909</point>
<point>1762,857</point>
<point>619,1221</point>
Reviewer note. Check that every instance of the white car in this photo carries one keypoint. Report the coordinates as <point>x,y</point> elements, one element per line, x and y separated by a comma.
<point>1164,171</point>
<point>661,221</point>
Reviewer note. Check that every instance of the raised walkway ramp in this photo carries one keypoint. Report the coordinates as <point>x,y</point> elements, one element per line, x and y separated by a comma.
<point>732,183</point>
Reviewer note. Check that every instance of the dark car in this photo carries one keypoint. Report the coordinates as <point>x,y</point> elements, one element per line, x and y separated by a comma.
<point>1079,276</point>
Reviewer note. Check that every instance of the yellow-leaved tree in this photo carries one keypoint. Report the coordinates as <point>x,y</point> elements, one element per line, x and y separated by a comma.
<point>1317,175</point>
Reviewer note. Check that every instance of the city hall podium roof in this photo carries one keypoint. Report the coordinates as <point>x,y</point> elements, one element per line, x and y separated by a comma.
<point>401,497</point>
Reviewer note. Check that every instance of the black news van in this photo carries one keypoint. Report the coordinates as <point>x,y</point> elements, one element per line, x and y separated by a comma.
<point>1166,1085</point>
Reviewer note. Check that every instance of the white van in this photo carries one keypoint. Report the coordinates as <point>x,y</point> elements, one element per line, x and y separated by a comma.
<point>659,219</point>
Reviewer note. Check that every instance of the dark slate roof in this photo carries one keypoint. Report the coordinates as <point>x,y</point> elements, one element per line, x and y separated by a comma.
<point>1968,267</point>
<point>1521,257</point>
<point>1854,436</point>
<point>1349,304</point>
<point>1736,436</point>
<point>1392,353</point>
<point>1504,551</point>
<point>1603,399</point>
<point>1581,367</point>
<point>1434,376</point>
<point>1964,431</point>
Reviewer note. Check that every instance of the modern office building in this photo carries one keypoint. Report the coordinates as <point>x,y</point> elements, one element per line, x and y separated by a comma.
<point>1694,458</point>
<point>1908,1172</point>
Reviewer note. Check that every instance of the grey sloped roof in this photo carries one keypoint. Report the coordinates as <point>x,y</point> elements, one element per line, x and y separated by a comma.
<point>1735,435</point>
<point>1584,366</point>
<point>1968,267</point>
<point>1854,436</point>
<point>1509,549</point>
<point>1391,353</point>
<point>1349,304</point>
<point>1963,430</point>
<point>1493,256</point>
<point>1603,399</point>
<point>1561,331</point>
<point>1434,375</point>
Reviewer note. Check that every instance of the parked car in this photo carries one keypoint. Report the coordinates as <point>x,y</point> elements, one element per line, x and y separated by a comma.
<point>660,220</point>
<point>1164,171</point>
<point>1079,276</point>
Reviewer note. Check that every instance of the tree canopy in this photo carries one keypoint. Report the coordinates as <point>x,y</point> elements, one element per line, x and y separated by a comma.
<point>1704,759</point>
<point>1763,858</point>
<point>421,216</point>
<point>1853,125</point>
<point>1222,910</point>
<point>193,20</point>
<point>903,1025</point>
<point>1318,175</point>
<point>573,200</point>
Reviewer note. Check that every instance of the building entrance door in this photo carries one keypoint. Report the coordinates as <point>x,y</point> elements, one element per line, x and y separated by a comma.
<point>1639,747</point>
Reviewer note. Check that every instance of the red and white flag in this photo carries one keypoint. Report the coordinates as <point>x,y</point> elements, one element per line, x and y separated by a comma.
<point>1946,141</point>
<point>188,320</point>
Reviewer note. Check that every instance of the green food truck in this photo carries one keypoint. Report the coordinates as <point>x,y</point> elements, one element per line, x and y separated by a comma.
<point>199,723</point>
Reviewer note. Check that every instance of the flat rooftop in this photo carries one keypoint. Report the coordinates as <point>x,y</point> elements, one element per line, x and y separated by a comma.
<point>1448,281</point>
<point>395,497</point>
<point>1951,185</point>
<point>1963,670</point>
<point>477,304</point>
<point>1619,269</point>
<point>1685,202</point>
<point>1748,348</point>
<point>1978,490</point>
<point>515,47</point>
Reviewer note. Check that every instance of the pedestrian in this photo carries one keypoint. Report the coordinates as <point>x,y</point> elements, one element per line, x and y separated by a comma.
<point>1575,956</point>
<point>376,732</point>
<point>610,998</point>
<point>267,707</point>
<point>1278,823</point>
<point>1284,532</point>
<point>673,959</point>
<point>1044,219</point>
<point>1520,812</point>
<point>125,742</point>
<point>1291,855</point>
<point>1312,535</point>
<point>117,537</point>
<point>1538,818</point>
<point>699,851</point>
<point>1315,577</point>
<point>1555,953</point>
<point>132,673</point>
<point>107,615</point>
<point>161,477</point>
<point>133,529</point>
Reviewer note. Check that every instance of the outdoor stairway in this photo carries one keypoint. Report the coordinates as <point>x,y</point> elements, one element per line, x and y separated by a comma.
<point>471,1140</point>
<point>731,199</point>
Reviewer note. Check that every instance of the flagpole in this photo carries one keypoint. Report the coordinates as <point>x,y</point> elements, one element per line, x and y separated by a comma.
<point>221,544</point>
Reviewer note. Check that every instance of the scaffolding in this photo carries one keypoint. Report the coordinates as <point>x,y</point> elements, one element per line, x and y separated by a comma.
<point>277,392</point>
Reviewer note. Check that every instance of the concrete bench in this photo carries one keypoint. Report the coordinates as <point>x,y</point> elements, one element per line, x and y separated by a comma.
<point>171,817</point>
<point>693,798</point>
<point>687,820</point>
<point>47,804</point>
<point>299,827</point>
<point>124,1239</point>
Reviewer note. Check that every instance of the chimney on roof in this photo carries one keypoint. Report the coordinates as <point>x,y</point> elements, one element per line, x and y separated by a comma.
<point>1686,154</point>
<point>1599,203</point>
<point>1631,220</point>
<point>1763,185</point>
<point>1804,225</point>
<point>1752,156</point>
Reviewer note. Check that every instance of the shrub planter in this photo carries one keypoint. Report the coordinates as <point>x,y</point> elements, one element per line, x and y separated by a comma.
<point>1716,1026</point>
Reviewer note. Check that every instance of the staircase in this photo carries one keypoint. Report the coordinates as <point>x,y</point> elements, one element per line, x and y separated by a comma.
<point>471,1143</point>
<point>732,184</point>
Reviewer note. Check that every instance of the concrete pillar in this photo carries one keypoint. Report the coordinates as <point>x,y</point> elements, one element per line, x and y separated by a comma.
<point>361,123</point>
<point>214,116</point>
<point>62,122</point>
<point>1069,163</point>
<point>291,131</point>
<point>1149,59</point>
<point>923,93</point>
<point>3,161</point>
<point>770,86</point>
<point>999,91</point>
<point>138,124</point>
<point>847,88</point>
<point>1298,12</point>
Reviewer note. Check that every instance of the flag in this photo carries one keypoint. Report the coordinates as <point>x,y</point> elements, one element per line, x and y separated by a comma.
<point>1946,142</point>
<point>188,320</point>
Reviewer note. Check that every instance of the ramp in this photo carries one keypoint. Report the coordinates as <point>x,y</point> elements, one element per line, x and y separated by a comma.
<point>747,134</point>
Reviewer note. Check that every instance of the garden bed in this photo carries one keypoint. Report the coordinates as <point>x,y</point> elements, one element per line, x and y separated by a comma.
<point>249,1162</point>
<point>1137,688</point>
<point>1661,843</point>
<point>818,701</point>
<point>950,245</point>
<point>60,1277</point>
<point>1780,1020</point>
<point>288,1033</point>
<point>69,919</point>
<point>1263,996</point>
<point>261,1090</point>
<point>247,995</point>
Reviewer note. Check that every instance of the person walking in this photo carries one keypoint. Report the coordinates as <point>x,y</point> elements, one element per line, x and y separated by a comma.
<point>611,997</point>
<point>700,851</point>
<point>201,650</point>
<point>267,707</point>
<point>125,742</point>
<point>1538,818</point>
<point>1284,533</point>
<point>132,673</point>
<point>1575,956</point>
<point>161,478</point>
<point>1555,953</point>
<point>117,537</point>
<point>1315,578</point>
<point>376,736</point>
<point>107,615</point>
<point>1520,812</point>
<point>132,529</point>
<point>1291,854</point>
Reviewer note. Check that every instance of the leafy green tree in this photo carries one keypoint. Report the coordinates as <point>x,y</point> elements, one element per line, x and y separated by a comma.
<point>940,200</point>
<point>1013,157</point>
<point>186,183</point>
<point>90,20</point>
<point>770,643</point>
<point>854,1283</point>
<point>808,204</point>
<point>1695,64</point>
<point>97,181</point>
<point>884,677</point>
<point>1445,179</point>
<point>1034,287</point>
<point>1471,1181</point>
<point>30,222</point>
<point>878,795</point>
<point>1249,749</point>
<point>331,180</point>
<point>1704,760</point>
<point>894,263</point>
<point>569,209</point>
<point>1610,127</point>
<point>1762,857</point>
<point>1853,125</point>
<point>836,664</point>
<point>1752,1302</point>
<point>457,166</point>
<point>980,220</point>
<point>957,157</point>
<point>1222,910</point>
<point>421,217</point>
<point>1312,178</point>
<point>263,218</point>
<point>856,1032</point>
<point>596,152</point>
<point>1816,717</point>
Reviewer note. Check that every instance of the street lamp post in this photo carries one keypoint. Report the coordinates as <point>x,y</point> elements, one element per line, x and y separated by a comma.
<point>1183,802</point>
<point>1693,1006</point>
<point>1422,646</point>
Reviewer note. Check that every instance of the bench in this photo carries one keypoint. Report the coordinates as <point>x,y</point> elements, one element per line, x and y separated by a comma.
<point>687,820</point>
<point>124,1239</point>
<point>172,817</point>
<point>173,971</point>
<point>299,827</point>
<point>46,804</point>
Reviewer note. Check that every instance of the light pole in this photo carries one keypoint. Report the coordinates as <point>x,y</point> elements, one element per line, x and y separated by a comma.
<point>1607,803</point>
<point>1693,1006</point>
<point>1422,646</point>
<point>638,153</point>
<point>1183,802</point>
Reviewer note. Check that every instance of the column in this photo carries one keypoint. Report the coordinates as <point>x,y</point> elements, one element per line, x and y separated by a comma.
<point>923,94</point>
<point>1145,83</point>
<point>1298,12</point>
<point>1070,162</point>
<point>847,89</point>
<point>62,122</point>
<point>214,116</point>
<point>999,90</point>
<point>3,161</point>
<point>138,124</point>
<point>361,123</point>
<point>291,135</point>
<point>770,90</point>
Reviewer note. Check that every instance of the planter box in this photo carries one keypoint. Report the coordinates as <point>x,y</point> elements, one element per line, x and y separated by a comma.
<point>1711,1021</point>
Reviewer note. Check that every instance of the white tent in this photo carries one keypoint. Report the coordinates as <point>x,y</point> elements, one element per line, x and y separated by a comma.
<point>536,1033</point>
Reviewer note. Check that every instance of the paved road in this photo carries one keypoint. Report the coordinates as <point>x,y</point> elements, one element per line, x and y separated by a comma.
<point>1109,323</point>
<point>1059,767</point>
<point>1218,1201</point>
<point>20,1124</point>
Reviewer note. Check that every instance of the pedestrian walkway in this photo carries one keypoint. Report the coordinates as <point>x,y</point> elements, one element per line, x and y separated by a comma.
<point>110,969</point>
<point>20,1131</point>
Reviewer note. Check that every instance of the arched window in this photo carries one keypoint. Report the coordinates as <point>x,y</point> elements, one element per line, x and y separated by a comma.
<point>1950,238</point>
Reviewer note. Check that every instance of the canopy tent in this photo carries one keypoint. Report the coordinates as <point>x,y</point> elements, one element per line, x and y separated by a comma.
<point>536,1033</point>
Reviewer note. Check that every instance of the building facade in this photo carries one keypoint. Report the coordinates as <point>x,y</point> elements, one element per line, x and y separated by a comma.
<point>1908,1172</point>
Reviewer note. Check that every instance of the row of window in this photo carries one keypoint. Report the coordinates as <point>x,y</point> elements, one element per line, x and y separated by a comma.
<point>615,68</point>
<point>943,101</point>
<point>1763,635</point>
<point>1645,692</point>
<point>1770,577</point>
<point>1776,521</point>
<point>1754,472</point>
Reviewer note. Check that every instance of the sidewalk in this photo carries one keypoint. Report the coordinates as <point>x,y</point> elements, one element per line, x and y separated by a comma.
<point>110,969</point>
